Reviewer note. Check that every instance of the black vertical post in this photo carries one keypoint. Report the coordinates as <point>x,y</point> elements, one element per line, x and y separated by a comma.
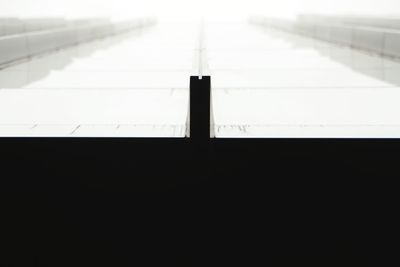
<point>200,108</point>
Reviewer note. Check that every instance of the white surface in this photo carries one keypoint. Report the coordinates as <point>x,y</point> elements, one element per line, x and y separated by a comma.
<point>93,107</point>
<point>274,84</point>
<point>129,113</point>
<point>265,84</point>
<point>128,86</point>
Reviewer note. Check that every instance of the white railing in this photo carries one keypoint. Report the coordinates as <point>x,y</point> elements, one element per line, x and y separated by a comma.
<point>21,46</point>
<point>374,35</point>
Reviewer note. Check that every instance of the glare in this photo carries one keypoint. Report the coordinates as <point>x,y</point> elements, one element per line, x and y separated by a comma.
<point>189,10</point>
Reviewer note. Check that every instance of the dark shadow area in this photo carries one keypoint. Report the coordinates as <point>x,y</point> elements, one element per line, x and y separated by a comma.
<point>240,201</point>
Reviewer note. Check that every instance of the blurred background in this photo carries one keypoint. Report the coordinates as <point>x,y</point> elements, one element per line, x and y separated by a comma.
<point>189,10</point>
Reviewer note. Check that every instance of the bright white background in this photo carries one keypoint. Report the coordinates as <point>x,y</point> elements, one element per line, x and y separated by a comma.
<point>192,9</point>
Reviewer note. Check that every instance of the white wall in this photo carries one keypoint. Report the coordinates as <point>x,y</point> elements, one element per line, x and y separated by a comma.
<point>192,9</point>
